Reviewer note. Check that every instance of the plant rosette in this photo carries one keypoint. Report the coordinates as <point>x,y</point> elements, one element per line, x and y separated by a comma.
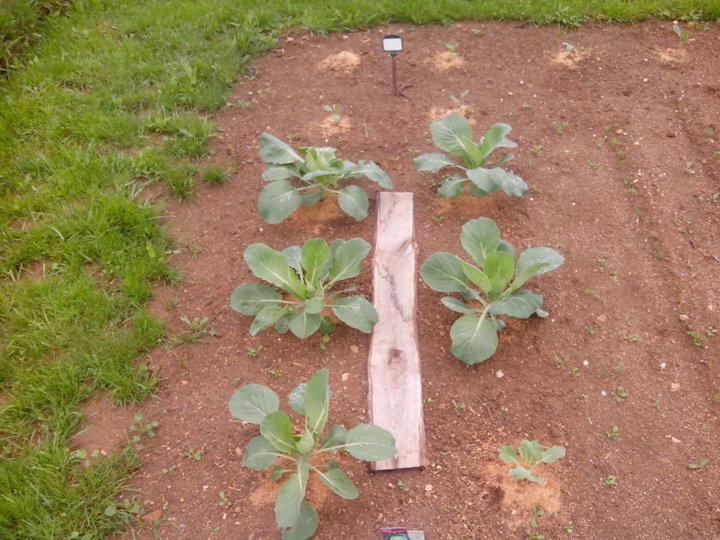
<point>490,288</point>
<point>306,276</point>
<point>526,456</point>
<point>316,172</point>
<point>453,134</point>
<point>301,454</point>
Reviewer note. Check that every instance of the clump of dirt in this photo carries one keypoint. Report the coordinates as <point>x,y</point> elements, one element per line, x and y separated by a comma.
<point>672,55</point>
<point>446,60</point>
<point>438,113</point>
<point>569,58</point>
<point>332,126</point>
<point>344,62</point>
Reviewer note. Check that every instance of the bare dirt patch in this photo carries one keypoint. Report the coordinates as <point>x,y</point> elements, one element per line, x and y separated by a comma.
<point>621,153</point>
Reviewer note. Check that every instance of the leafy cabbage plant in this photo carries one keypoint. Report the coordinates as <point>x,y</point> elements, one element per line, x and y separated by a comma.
<point>489,288</point>
<point>301,453</point>
<point>316,172</point>
<point>453,134</point>
<point>527,455</point>
<point>305,275</point>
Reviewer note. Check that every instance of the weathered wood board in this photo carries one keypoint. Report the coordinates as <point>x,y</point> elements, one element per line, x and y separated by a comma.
<point>395,389</point>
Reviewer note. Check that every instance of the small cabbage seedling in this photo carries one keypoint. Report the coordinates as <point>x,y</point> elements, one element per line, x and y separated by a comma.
<point>489,288</point>
<point>302,453</point>
<point>453,134</point>
<point>318,172</point>
<point>527,455</point>
<point>306,276</point>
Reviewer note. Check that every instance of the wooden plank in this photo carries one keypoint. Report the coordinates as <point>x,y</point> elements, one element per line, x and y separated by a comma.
<point>395,390</point>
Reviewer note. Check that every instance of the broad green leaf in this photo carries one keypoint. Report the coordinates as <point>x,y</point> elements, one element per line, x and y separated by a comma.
<point>277,472</point>
<point>321,177</point>
<point>296,398</point>
<point>277,429</point>
<point>279,172</point>
<point>477,192</point>
<point>293,257</point>
<point>354,201</point>
<point>508,454</point>
<point>433,162</point>
<point>266,317</point>
<point>335,438</point>
<point>480,237</point>
<point>519,304</point>
<point>521,473</point>
<point>473,156</point>
<point>308,198</point>
<point>317,401</point>
<point>473,339</point>
<point>346,259</point>
<point>314,257</point>
<point>282,326</point>
<point>277,201</point>
<point>510,183</point>
<point>259,454</point>
<point>499,267</point>
<point>304,324</point>
<point>531,451</point>
<point>552,454</point>
<point>273,150</point>
<point>250,298</point>
<point>476,276</point>
<point>456,305</point>
<point>452,187</point>
<point>504,247</point>
<point>314,306</point>
<point>447,134</point>
<point>270,265</point>
<point>495,138</point>
<point>339,483</point>
<point>290,497</point>
<point>488,180</point>
<point>370,443</point>
<point>305,526</point>
<point>535,261</point>
<point>375,173</point>
<point>253,402</point>
<point>443,273</point>
<point>305,442</point>
<point>357,312</point>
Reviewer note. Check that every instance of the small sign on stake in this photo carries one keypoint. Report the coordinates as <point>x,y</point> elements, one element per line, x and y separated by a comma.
<point>393,44</point>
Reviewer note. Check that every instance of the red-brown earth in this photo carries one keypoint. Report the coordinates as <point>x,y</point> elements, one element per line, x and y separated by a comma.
<point>617,128</point>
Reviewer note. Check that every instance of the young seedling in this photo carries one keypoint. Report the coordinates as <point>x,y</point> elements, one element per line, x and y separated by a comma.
<point>318,173</point>
<point>306,276</point>
<point>611,480</point>
<point>302,452</point>
<point>526,456</point>
<point>197,328</point>
<point>489,290</point>
<point>141,428</point>
<point>614,433</point>
<point>459,101</point>
<point>334,110</point>
<point>699,465</point>
<point>453,134</point>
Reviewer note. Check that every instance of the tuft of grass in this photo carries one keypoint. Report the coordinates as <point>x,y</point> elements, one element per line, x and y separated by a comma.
<point>215,175</point>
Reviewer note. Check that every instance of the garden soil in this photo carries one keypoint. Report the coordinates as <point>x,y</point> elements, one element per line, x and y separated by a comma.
<point>618,132</point>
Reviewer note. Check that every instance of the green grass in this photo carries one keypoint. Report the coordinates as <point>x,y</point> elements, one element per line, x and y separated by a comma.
<point>104,104</point>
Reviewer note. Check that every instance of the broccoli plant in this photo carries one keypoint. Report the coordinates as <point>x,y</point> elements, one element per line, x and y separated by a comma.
<point>306,276</point>
<point>302,453</point>
<point>317,172</point>
<point>527,455</point>
<point>488,290</point>
<point>453,134</point>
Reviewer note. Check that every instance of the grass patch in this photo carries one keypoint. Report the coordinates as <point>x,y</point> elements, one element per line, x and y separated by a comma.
<point>104,104</point>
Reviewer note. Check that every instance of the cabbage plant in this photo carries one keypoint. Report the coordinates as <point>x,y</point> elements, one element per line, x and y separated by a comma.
<point>526,456</point>
<point>305,277</point>
<point>301,453</point>
<point>488,289</point>
<point>453,134</point>
<point>304,176</point>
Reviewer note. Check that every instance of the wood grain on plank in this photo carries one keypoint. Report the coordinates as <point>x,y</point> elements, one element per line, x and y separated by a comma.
<point>395,390</point>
